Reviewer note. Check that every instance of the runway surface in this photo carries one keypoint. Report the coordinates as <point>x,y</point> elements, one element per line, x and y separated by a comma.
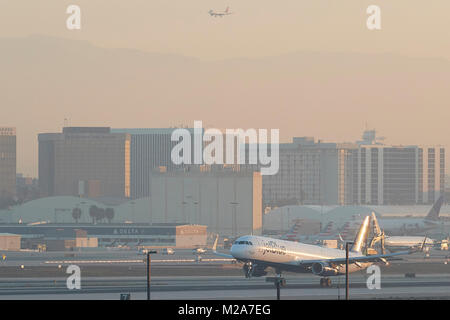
<point>204,288</point>
<point>106,274</point>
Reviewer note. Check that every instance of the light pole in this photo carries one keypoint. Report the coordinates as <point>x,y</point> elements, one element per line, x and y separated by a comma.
<point>346,270</point>
<point>82,203</point>
<point>197,211</point>
<point>132,210</point>
<point>234,218</point>
<point>149,252</point>
<point>183,203</point>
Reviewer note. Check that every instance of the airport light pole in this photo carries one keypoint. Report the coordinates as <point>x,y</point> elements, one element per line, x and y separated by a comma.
<point>149,252</point>
<point>234,219</point>
<point>346,270</point>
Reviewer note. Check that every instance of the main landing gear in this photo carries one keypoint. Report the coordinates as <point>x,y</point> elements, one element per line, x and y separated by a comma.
<point>248,269</point>
<point>325,282</point>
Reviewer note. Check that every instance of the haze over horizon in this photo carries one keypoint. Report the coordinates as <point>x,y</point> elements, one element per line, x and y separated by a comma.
<point>309,69</point>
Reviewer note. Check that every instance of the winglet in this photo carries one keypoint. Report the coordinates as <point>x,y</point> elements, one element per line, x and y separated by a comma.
<point>423,243</point>
<point>215,244</point>
<point>419,248</point>
<point>214,249</point>
<point>376,226</point>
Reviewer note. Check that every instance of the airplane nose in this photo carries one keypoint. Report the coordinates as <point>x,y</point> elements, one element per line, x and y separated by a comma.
<point>233,250</point>
<point>237,251</point>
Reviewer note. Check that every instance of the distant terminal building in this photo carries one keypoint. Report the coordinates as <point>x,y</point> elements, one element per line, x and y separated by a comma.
<point>69,236</point>
<point>149,148</point>
<point>228,202</point>
<point>88,162</point>
<point>365,172</point>
<point>7,162</point>
<point>9,242</point>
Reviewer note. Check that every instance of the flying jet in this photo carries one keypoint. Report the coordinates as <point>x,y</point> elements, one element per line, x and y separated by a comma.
<point>259,253</point>
<point>220,13</point>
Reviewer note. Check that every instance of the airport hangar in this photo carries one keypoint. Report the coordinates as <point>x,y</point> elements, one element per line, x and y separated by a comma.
<point>59,237</point>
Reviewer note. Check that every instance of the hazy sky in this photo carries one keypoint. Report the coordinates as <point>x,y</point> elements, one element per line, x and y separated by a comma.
<point>258,27</point>
<point>324,106</point>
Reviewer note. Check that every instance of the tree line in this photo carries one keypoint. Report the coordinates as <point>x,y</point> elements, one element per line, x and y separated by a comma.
<point>97,214</point>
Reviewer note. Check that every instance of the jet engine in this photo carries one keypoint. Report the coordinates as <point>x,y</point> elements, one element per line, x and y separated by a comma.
<point>323,269</point>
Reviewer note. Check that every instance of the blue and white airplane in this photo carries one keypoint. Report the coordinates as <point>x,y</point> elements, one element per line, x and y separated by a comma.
<point>259,253</point>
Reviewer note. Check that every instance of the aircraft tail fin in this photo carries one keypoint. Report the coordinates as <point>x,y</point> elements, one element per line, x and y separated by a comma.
<point>293,234</point>
<point>433,214</point>
<point>214,247</point>
<point>361,237</point>
<point>327,230</point>
<point>376,226</point>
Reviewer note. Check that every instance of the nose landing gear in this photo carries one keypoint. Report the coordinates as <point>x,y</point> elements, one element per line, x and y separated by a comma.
<point>248,269</point>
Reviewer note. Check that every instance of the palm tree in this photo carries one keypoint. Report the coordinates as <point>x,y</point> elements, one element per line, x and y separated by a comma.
<point>93,213</point>
<point>76,214</point>
<point>100,214</point>
<point>109,213</point>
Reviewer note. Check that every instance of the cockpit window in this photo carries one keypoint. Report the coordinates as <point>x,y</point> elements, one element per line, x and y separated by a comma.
<point>244,242</point>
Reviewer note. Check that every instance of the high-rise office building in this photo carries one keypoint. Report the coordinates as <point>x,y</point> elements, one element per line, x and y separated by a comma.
<point>7,162</point>
<point>313,173</point>
<point>150,148</point>
<point>84,161</point>
<point>365,172</point>
<point>398,175</point>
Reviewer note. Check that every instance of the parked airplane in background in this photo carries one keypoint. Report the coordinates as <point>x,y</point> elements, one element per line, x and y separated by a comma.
<point>220,14</point>
<point>411,226</point>
<point>198,251</point>
<point>294,233</point>
<point>329,232</point>
<point>398,243</point>
<point>258,253</point>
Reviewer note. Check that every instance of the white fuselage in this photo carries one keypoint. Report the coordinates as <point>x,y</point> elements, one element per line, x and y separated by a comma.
<point>289,254</point>
<point>404,242</point>
<point>407,226</point>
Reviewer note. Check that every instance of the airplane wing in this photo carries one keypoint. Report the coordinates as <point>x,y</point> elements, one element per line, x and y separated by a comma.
<point>220,254</point>
<point>359,259</point>
<point>371,258</point>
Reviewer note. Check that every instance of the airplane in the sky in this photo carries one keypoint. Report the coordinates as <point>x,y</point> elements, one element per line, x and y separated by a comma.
<point>220,13</point>
<point>259,253</point>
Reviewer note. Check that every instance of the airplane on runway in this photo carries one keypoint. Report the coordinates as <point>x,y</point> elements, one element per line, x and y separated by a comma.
<point>220,14</point>
<point>259,253</point>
